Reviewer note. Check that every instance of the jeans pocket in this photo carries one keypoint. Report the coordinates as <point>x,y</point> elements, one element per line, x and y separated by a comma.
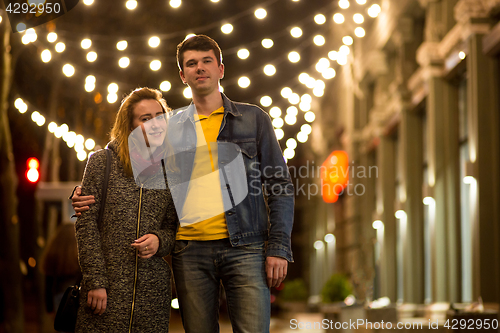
<point>180,246</point>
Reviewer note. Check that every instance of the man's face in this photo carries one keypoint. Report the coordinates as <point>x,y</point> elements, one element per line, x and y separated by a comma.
<point>201,72</point>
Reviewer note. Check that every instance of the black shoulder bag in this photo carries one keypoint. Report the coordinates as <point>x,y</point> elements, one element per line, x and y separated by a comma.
<point>65,320</point>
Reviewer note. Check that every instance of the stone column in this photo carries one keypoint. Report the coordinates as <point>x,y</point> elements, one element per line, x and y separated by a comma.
<point>385,206</point>
<point>484,138</point>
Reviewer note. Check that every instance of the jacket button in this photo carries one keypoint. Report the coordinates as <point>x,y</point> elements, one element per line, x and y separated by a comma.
<point>229,213</point>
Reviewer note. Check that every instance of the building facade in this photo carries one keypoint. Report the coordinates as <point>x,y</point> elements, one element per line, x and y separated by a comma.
<point>416,108</point>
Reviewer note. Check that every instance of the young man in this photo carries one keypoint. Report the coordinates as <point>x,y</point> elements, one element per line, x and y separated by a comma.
<point>246,247</point>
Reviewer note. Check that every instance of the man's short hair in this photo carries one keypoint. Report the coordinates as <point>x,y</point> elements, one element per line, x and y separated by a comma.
<point>197,43</point>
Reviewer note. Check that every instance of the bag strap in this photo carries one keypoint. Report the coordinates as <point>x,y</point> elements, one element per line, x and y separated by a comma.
<point>104,190</point>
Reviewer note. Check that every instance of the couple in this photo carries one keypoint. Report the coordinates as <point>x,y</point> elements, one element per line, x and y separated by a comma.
<point>246,247</point>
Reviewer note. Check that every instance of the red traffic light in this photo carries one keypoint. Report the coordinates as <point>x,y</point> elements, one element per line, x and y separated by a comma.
<point>32,173</point>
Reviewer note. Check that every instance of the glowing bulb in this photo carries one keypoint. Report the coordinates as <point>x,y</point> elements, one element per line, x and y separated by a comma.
<point>294,99</point>
<point>275,112</point>
<point>310,82</point>
<point>260,13</point>
<point>332,55</point>
<point>227,28</point>
<point>269,70</point>
<point>322,65</point>
<point>31,33</point>
<point>289,153</point>
<point>320,19</point>
<point>280,134</point>
<point>286,92</point>
<point>154,41</point>
<point>124,62</point>
<point>89,144</point>
<point>329,73</point>
<point>52,37</point>
<point>290,120</point>
<point>361,2</point>
<point>344,49</point>
<point>155,65</point>
<point>90,79</point>
<point>113,88</point>
<point>46,55</point>
<point>68,70</point>
<point>131,4</point>
<point>52,127</point>
<point>26,39</point>
<point>319,40</point>
<point>342,59</point>
<point>306,128</point>
<point>267,43</point>
<point>86,43</point>
<point>462,55</point>
<point>358,18</point>
<point>306,98</point>
<point>294,56</point>
<point>303,77</point>
<point>344,4</point>
<point>165,86</point>
<point>266,101</point>
<point>359,32</point>
<point>347,40</point>
<point>296,32</point>
<point>187,93</point>
<point>121,45</point>
<point>244,82</point>
<point>292,111</point>
<point>374,10</point>
<point>305,106</point>
<point>309,116</point>
<point>243,53</point>
<point>91,56</point>
<point>318,92</point>
<point>60,47</point>
<point>112,98</point>
<point>278,122</point>
<point>301,137</point>
<point>175,3</point>
<point>377,224</point>
<point>89,87</point>
<point>291,143</point>
<point>81,155</point>
<point>338,18</point>
<point>88,2</point>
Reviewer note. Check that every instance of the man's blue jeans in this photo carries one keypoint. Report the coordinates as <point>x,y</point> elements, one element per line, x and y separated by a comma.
<point>200,267</point>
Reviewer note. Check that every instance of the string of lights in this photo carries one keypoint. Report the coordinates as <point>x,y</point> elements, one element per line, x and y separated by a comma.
<point>323,65</point>
<point>83,147</point>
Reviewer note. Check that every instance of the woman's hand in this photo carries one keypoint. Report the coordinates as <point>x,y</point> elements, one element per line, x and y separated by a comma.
<point>147,245</point>
<point>96,300</point>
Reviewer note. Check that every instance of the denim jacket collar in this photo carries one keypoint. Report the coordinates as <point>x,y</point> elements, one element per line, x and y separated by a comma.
<point>188,111</point>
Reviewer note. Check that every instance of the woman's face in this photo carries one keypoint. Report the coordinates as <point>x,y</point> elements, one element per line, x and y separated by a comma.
<point>149,115</point>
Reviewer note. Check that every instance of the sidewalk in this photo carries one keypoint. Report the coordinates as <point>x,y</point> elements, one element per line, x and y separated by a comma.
<point>278,325</point>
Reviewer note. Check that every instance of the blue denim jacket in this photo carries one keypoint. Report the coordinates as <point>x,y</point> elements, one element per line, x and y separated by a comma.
<point>266,212</point>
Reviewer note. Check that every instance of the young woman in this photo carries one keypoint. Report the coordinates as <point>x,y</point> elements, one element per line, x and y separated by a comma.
<point>126,284</point>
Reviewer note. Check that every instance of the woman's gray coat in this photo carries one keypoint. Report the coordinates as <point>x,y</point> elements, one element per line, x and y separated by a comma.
<point>138,290</point>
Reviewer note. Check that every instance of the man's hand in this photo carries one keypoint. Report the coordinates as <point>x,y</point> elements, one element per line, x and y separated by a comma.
<point>147,245</point>
<point>97,299</point>
<point>81,203</point>
<point>276,270</point>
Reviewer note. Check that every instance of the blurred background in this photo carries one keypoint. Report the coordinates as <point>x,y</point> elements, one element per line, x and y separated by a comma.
<point>387,112</point>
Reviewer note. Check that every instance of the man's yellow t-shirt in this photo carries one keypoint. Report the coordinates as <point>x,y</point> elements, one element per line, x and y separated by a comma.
<point>204,194</point>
